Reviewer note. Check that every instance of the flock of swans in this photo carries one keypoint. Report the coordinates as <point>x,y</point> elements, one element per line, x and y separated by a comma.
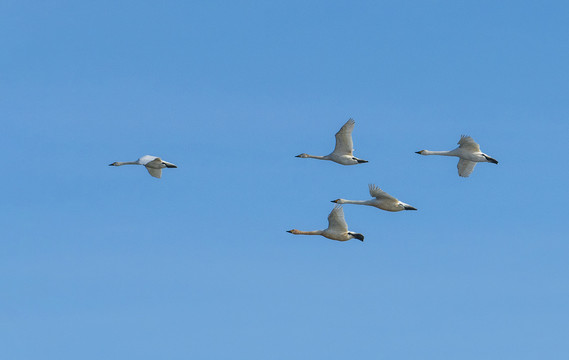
<point>468,153</point>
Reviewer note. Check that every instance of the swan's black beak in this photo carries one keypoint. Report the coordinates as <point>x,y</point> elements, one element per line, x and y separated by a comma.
<point>362,161</point>
<point>289,231</point>
<point>409,207</point>
<point>170,166</point>
<point>360,237</point>
<point>113,164</point>
<point>418,152</point>
<point>297,156</point>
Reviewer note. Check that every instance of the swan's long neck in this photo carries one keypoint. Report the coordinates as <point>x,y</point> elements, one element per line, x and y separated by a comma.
<point>127,163</point>
<point>318,157</point>
<point>443,153</point>
<point>315,232</point>
<point>357,202</point>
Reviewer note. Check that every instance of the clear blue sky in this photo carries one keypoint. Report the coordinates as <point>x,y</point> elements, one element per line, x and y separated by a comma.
<point>98,262</point>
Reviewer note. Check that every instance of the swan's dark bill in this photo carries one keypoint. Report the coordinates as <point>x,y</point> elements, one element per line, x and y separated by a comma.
<point>493,161</point>
<point>409,207</point>
<point>289,231</point>
<point>418,152</point>
<point>362,161</point>
<point>171,166</point>
<point>360,237</point>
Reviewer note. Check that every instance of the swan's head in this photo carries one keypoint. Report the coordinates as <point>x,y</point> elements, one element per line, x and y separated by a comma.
<point>420,152</point>
<point>360,237</point>
<point>406,206</point>
<point>293,231</point>
<point>113,164</point>
<point>303,155</point>
<point>338,201</point>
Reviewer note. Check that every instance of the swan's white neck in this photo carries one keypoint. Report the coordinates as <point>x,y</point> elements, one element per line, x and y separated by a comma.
<point>357,202</point>
<point>315,232</point>
<point>319,157</point>
<point>443,153</point>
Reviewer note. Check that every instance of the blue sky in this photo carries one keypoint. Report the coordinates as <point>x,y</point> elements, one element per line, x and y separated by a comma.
<point>103,262</point>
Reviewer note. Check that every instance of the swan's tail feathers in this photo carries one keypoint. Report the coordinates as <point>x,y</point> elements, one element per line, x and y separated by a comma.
<point>157,173</point>
<point>491,160</point>
<point>409,207</point>
<point>360,161</point>
<point>360,237</point>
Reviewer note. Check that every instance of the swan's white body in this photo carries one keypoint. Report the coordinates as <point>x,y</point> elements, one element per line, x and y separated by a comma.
<point>382,200</point>
<point>153,164</point>
<point>468,152</point>
<point>337,228</point>
<point>344,151</point>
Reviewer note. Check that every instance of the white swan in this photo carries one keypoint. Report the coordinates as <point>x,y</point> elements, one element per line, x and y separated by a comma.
<point>343,152</point>
<point>468,152</point>
<point>153,164</point>
<point>382,201</point>
<point>337,228</point>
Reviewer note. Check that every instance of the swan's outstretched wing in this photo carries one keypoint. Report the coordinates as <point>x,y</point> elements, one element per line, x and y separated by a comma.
<point>147,158</point>
<point>344,142</point>
<point>465,167</point>
<point>468,143</point>
<point>336,220</point>
<point>377,193</point>
<point>157,173</point>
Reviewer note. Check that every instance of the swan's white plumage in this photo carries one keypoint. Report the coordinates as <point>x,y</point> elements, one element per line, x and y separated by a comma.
<point>468,143</point>
<point>344,149</point>
<point>379,194</point>
<point>465,167</point>
<point>153,164</point>
<point>157,173</point>
<point>469,153</point>
<point>337,228</point>
<point>344,141</point>
<point>336,221</point>
<point>381,200</point>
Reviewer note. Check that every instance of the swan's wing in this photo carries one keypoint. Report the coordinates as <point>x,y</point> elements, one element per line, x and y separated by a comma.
<point>468,143</point>
<point>146,159</point>
<point>344,142</point>
<point>336,220</point>
<point>157,173</point>
<point>465,167</point>
<point>377,193</point>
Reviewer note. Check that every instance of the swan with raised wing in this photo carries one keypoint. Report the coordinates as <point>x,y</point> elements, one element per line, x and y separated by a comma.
<point>382,200</point>
<point>469,153</point>
<point>153,164</point>
<point>337,228</point>
<point>344,151</point>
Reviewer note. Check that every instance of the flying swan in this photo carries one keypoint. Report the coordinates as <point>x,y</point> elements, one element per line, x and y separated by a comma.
<point>468,152</point>
<point>337,228</point>
<point>382,201</point>
<point>343,152</point>
<point>153,164</point>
